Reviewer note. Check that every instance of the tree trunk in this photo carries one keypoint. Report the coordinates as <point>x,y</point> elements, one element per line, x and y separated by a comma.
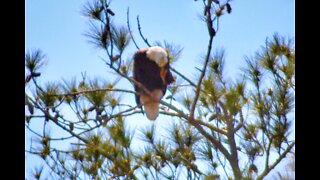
<point>236,170</point>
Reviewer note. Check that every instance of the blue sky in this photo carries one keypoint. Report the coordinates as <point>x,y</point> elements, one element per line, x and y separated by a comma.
<point>57,28</point>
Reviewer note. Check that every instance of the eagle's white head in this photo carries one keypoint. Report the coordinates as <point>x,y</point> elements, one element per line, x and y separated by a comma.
<point>158,55</point>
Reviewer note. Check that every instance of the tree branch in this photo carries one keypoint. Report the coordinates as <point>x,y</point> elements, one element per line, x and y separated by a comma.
<point>269,168</point>
<point>57,123</point>
<point>139,27</point>
<point>183,77</point>
<point>203,72</point>
<point>95,90</point>
<point>128,25</point>
<point>196,124</point>
<point>234,161</point>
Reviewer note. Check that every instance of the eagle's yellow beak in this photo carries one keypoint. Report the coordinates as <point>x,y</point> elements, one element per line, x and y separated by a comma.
<point>163,73</point>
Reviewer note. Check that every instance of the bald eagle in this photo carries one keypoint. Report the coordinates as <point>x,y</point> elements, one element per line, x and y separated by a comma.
<point>151,69</point>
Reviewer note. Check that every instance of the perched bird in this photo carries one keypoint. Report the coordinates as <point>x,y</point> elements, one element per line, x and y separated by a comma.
<point>151,69</point>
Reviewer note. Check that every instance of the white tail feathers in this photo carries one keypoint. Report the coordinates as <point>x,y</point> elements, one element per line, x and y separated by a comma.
<point>151,104</point>
<point>152,110</point>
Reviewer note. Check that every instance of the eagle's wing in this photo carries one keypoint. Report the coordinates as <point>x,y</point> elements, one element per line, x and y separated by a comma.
<point>137,77</point>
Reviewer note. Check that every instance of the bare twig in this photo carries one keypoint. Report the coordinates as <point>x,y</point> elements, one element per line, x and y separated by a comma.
<point>95,90</point>
<point>107,27</point>
<point>33,131</point>
<point>139,27</point>
<point>122,113</point>
<point>223,164</point>
<point>211,34</point>
<point>128,24</point>
<point>212,127</point>
<point>183,77</point>
<point>277,161</point>
<point>56,122</point>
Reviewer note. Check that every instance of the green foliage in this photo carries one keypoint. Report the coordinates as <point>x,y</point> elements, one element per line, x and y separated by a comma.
<point>47,95</point>
<point>121,37</point>
<point>254,71</point>
<point>232,101</point>
<point>97,98</point>
<point>119,134</point>
<point>114,150</point>
<point>217,62</point>
<point>222,104</point>
<point>148,134</point>
<point>185,139</point>
<point>212,177</point>
<point>38,171</point>
<point>187,102</point>
<point>70,86</point>
<point>34,60</point>
<point>173,51</point>
<point>206,152</point>
<point>93,10</point>
<point>98,36</point>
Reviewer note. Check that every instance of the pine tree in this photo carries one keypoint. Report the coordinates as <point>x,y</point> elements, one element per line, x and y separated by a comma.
<point>231,127</point>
